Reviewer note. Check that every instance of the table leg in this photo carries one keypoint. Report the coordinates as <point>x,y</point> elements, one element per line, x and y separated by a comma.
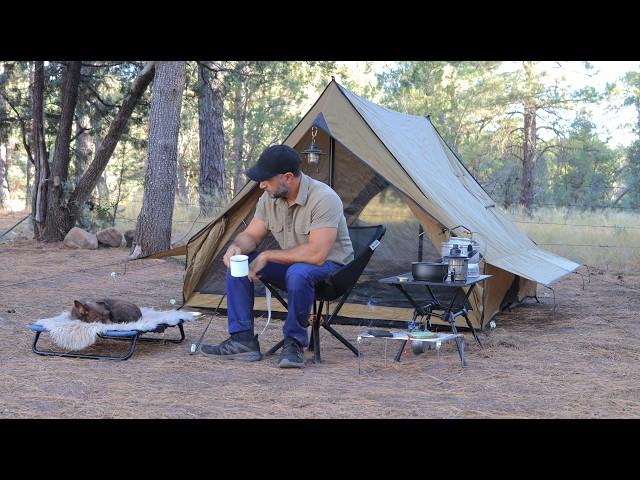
<point>473,330</point>
<point>459,343</point>
<point>461,351</point>
<point>399,354</point>
<point>464,313</point>
<point>385,352</point>
<point>404,343</point>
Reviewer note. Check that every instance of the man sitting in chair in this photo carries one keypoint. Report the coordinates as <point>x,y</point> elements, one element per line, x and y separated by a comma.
<point>305,217</point>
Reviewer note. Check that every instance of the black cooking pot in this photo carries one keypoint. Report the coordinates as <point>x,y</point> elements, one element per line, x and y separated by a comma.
<point>429,271</point>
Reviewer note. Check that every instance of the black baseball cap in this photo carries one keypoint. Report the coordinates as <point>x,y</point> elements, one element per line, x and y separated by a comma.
<point>274,160</point>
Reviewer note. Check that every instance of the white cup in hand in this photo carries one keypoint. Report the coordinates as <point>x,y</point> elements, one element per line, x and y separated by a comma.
<point>239,265</point>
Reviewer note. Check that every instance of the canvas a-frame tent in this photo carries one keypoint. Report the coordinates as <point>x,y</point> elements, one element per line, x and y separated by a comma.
<point>394,169</point>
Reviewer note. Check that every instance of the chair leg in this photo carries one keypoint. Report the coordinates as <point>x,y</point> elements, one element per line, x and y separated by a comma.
<point>311,340</point>
<point>315,330</point>
<point>316,340</point>
<point>275,348</point>
<point>312,335</point>
<point>344,341</point>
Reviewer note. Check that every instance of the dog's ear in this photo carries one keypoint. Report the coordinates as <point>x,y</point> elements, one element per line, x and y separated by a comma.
<point>82,308</point>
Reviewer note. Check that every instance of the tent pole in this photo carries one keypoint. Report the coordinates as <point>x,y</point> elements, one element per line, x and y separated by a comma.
<point>420,242</point>
<point>332,145</point>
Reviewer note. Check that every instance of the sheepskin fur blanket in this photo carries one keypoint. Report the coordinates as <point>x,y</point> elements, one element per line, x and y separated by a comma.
<point>72,334</point>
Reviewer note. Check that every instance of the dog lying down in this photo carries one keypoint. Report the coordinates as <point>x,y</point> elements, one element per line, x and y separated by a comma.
<point>71,332</point>
<point>105,310</point>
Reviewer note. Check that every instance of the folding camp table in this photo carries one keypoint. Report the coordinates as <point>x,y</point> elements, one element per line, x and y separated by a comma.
<point>451,310</point>
<point>132,336</point>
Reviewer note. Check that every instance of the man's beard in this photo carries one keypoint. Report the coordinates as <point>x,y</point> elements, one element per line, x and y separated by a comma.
<point>280,193</point>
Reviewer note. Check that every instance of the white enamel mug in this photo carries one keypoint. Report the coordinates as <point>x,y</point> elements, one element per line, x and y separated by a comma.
<point>239,265</point>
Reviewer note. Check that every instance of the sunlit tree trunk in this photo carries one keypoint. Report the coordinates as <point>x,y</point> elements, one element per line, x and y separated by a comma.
<point>101,183</point>
<point>153,228</point>
<point>83,145</point>
<point>41,162</point>
<point>529,147</point>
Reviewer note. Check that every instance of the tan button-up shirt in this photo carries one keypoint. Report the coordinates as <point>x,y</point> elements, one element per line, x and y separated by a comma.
<point>317,206</point>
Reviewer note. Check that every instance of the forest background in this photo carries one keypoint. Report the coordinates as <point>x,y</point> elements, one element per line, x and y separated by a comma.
<point>163,146</point>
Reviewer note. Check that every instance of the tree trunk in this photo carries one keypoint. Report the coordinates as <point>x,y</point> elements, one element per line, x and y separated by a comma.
<point>41,176</point>
<point>104,196</point>
<point>182,182</point>
<point>212,171</point>
<point>239,117</point>
<point>4,185</point>
<point>83,144</point>
<point>4,136</point>
<point>101,184</point>
<point>58,221</point>
<point>528,157</point>
<point>153,228</point>
<point>90,178</point>
<point>529,146</point>
<point>28,192</point>
<point>84,141</point>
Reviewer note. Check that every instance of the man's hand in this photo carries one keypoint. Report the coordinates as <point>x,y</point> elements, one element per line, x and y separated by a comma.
<point>257,265</point>
<point>231,251</point>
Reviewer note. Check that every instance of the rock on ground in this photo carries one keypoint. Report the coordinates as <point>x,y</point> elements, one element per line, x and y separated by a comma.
<point>111,237</point>
<point>78,238</point>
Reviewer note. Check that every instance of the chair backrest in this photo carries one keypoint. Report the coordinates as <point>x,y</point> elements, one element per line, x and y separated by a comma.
<point>364,240</point>
<point>362,237</point>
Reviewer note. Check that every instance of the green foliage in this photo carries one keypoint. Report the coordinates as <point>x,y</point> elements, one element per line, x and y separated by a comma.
<point>104,214</point>
<point>584,170</point>
<point>476,106</point>
<point>631,178</point>
<point>630,196</point>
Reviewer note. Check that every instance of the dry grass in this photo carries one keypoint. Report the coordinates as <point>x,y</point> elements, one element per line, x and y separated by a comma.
<point>613,236</point>
<point>580,363</point>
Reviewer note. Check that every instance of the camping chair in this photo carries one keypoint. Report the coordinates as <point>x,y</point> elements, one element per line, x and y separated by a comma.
<point>337,285</point>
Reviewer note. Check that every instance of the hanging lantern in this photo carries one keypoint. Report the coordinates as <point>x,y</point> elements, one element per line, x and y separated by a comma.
<point>313,152</point>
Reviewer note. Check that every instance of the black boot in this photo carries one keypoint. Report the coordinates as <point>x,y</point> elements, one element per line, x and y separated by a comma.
<point>239,346</point>
<point>292,355</point>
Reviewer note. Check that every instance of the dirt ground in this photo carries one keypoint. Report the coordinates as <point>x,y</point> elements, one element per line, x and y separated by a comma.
<point>581,362</point>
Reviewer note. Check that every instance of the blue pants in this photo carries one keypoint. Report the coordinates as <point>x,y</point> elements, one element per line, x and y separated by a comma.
<point>300,279</point>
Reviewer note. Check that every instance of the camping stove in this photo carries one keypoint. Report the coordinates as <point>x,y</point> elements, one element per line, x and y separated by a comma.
<point>458,265</point>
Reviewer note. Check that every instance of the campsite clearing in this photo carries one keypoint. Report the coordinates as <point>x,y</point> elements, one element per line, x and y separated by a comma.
<point>580,363</point>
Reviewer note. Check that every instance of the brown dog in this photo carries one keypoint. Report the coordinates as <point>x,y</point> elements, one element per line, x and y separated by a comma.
<point>105,310</point>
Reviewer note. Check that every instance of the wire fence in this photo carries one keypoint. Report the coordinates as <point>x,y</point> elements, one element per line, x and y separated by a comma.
<point>586,245</point>
<point>578,225</point>
<point>586,207</point>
